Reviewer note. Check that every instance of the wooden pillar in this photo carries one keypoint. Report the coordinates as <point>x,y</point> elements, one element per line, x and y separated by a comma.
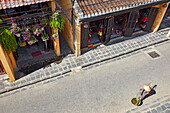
<point>56,42</point>
<point>159,17</point>
<point>11,56</point>
<point>7,64</point>
<point>77,39</point>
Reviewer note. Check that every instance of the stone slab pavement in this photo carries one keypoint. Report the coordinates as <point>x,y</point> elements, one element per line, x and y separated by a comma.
<point>160,105</point>
<point>100,54</point>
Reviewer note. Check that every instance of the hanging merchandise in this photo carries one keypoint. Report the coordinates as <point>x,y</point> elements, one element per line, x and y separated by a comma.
<point>144,18</point>
<point>100,30</point>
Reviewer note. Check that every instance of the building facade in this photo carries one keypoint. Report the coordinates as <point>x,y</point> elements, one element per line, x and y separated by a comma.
<point>99,22</point>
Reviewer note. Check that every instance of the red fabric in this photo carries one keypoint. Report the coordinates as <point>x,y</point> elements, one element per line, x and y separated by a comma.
<point>16,3</point>
<point>100,29</point>
<point>37,53</point>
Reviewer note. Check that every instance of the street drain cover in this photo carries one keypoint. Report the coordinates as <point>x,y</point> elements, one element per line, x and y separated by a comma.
<point>154,54</point>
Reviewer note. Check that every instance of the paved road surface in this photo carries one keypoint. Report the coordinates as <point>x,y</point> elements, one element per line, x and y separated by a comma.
<point>104,89</point>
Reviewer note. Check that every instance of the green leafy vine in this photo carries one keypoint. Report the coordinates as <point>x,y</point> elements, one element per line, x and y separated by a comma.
<point>7,40</point>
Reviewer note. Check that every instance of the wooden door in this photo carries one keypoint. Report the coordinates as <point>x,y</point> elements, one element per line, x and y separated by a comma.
<point>2,70</point>
<point>107,29</point>
<point>133,16</point>
<point>151,18</point>
<point>84,35</point>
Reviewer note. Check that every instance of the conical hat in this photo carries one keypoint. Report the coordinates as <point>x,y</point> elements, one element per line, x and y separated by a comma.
<point>147,88</point>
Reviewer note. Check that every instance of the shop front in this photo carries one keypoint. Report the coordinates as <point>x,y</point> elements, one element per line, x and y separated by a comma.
<point>36,41</point>
<point>103,22</point>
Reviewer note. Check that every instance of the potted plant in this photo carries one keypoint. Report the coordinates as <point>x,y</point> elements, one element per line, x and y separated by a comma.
<point>57,21</point>
<point>45,37</point>
<point>14,28</point>
<point>32,40</point>
<point>54,36</point>
<point>44,22</point>
<point>37,30</point>
<point>21,43</point>
<point>26,34</point>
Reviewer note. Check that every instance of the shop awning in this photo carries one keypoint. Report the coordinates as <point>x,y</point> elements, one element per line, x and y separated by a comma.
<point>93,8</point>
<point>16,3</point>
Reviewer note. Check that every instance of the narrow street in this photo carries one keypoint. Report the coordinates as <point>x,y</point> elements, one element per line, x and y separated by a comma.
<point>106,88</point>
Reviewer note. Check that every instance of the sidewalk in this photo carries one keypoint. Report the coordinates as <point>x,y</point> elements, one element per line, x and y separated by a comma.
<point>72,63</point>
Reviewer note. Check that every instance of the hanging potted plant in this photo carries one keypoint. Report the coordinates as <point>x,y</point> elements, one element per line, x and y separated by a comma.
<point>37,30</point>
<point>57,21</point>
<point>45,37</point>
<point>54,36</point>
<point>32,40</point>
<point>14,28</point>
<point>26,34</point>
<point>44,22</point>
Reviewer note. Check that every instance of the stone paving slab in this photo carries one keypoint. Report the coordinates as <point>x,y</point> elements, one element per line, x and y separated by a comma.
<point>93,57</point>
<point>160,105</point>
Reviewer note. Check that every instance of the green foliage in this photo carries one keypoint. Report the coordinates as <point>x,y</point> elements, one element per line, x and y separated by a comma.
<point>57,21</point>
<point>7,40</point>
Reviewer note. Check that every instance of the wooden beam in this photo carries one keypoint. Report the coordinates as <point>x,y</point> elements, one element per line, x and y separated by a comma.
<point>7,64</point>
<point>53,6</point>
<point>77,39</point>
<point>56,42</point>
<point>159,17</point>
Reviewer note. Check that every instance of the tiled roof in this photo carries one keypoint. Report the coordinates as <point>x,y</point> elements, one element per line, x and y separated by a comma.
<point>16,3</point>
<point>91,8</point>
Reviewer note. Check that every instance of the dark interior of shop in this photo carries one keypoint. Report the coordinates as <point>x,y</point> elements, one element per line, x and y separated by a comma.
<point>119,26</point>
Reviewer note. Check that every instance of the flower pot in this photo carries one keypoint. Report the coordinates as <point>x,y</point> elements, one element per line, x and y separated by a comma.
<point>46,49</point>
<point>46,46</point>
<point>21,43</point>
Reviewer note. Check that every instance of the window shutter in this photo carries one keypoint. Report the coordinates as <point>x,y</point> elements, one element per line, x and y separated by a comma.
<point>108,29</point>
<point>133,16</point>
<point>84,36</point>
<point>152,15</point>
